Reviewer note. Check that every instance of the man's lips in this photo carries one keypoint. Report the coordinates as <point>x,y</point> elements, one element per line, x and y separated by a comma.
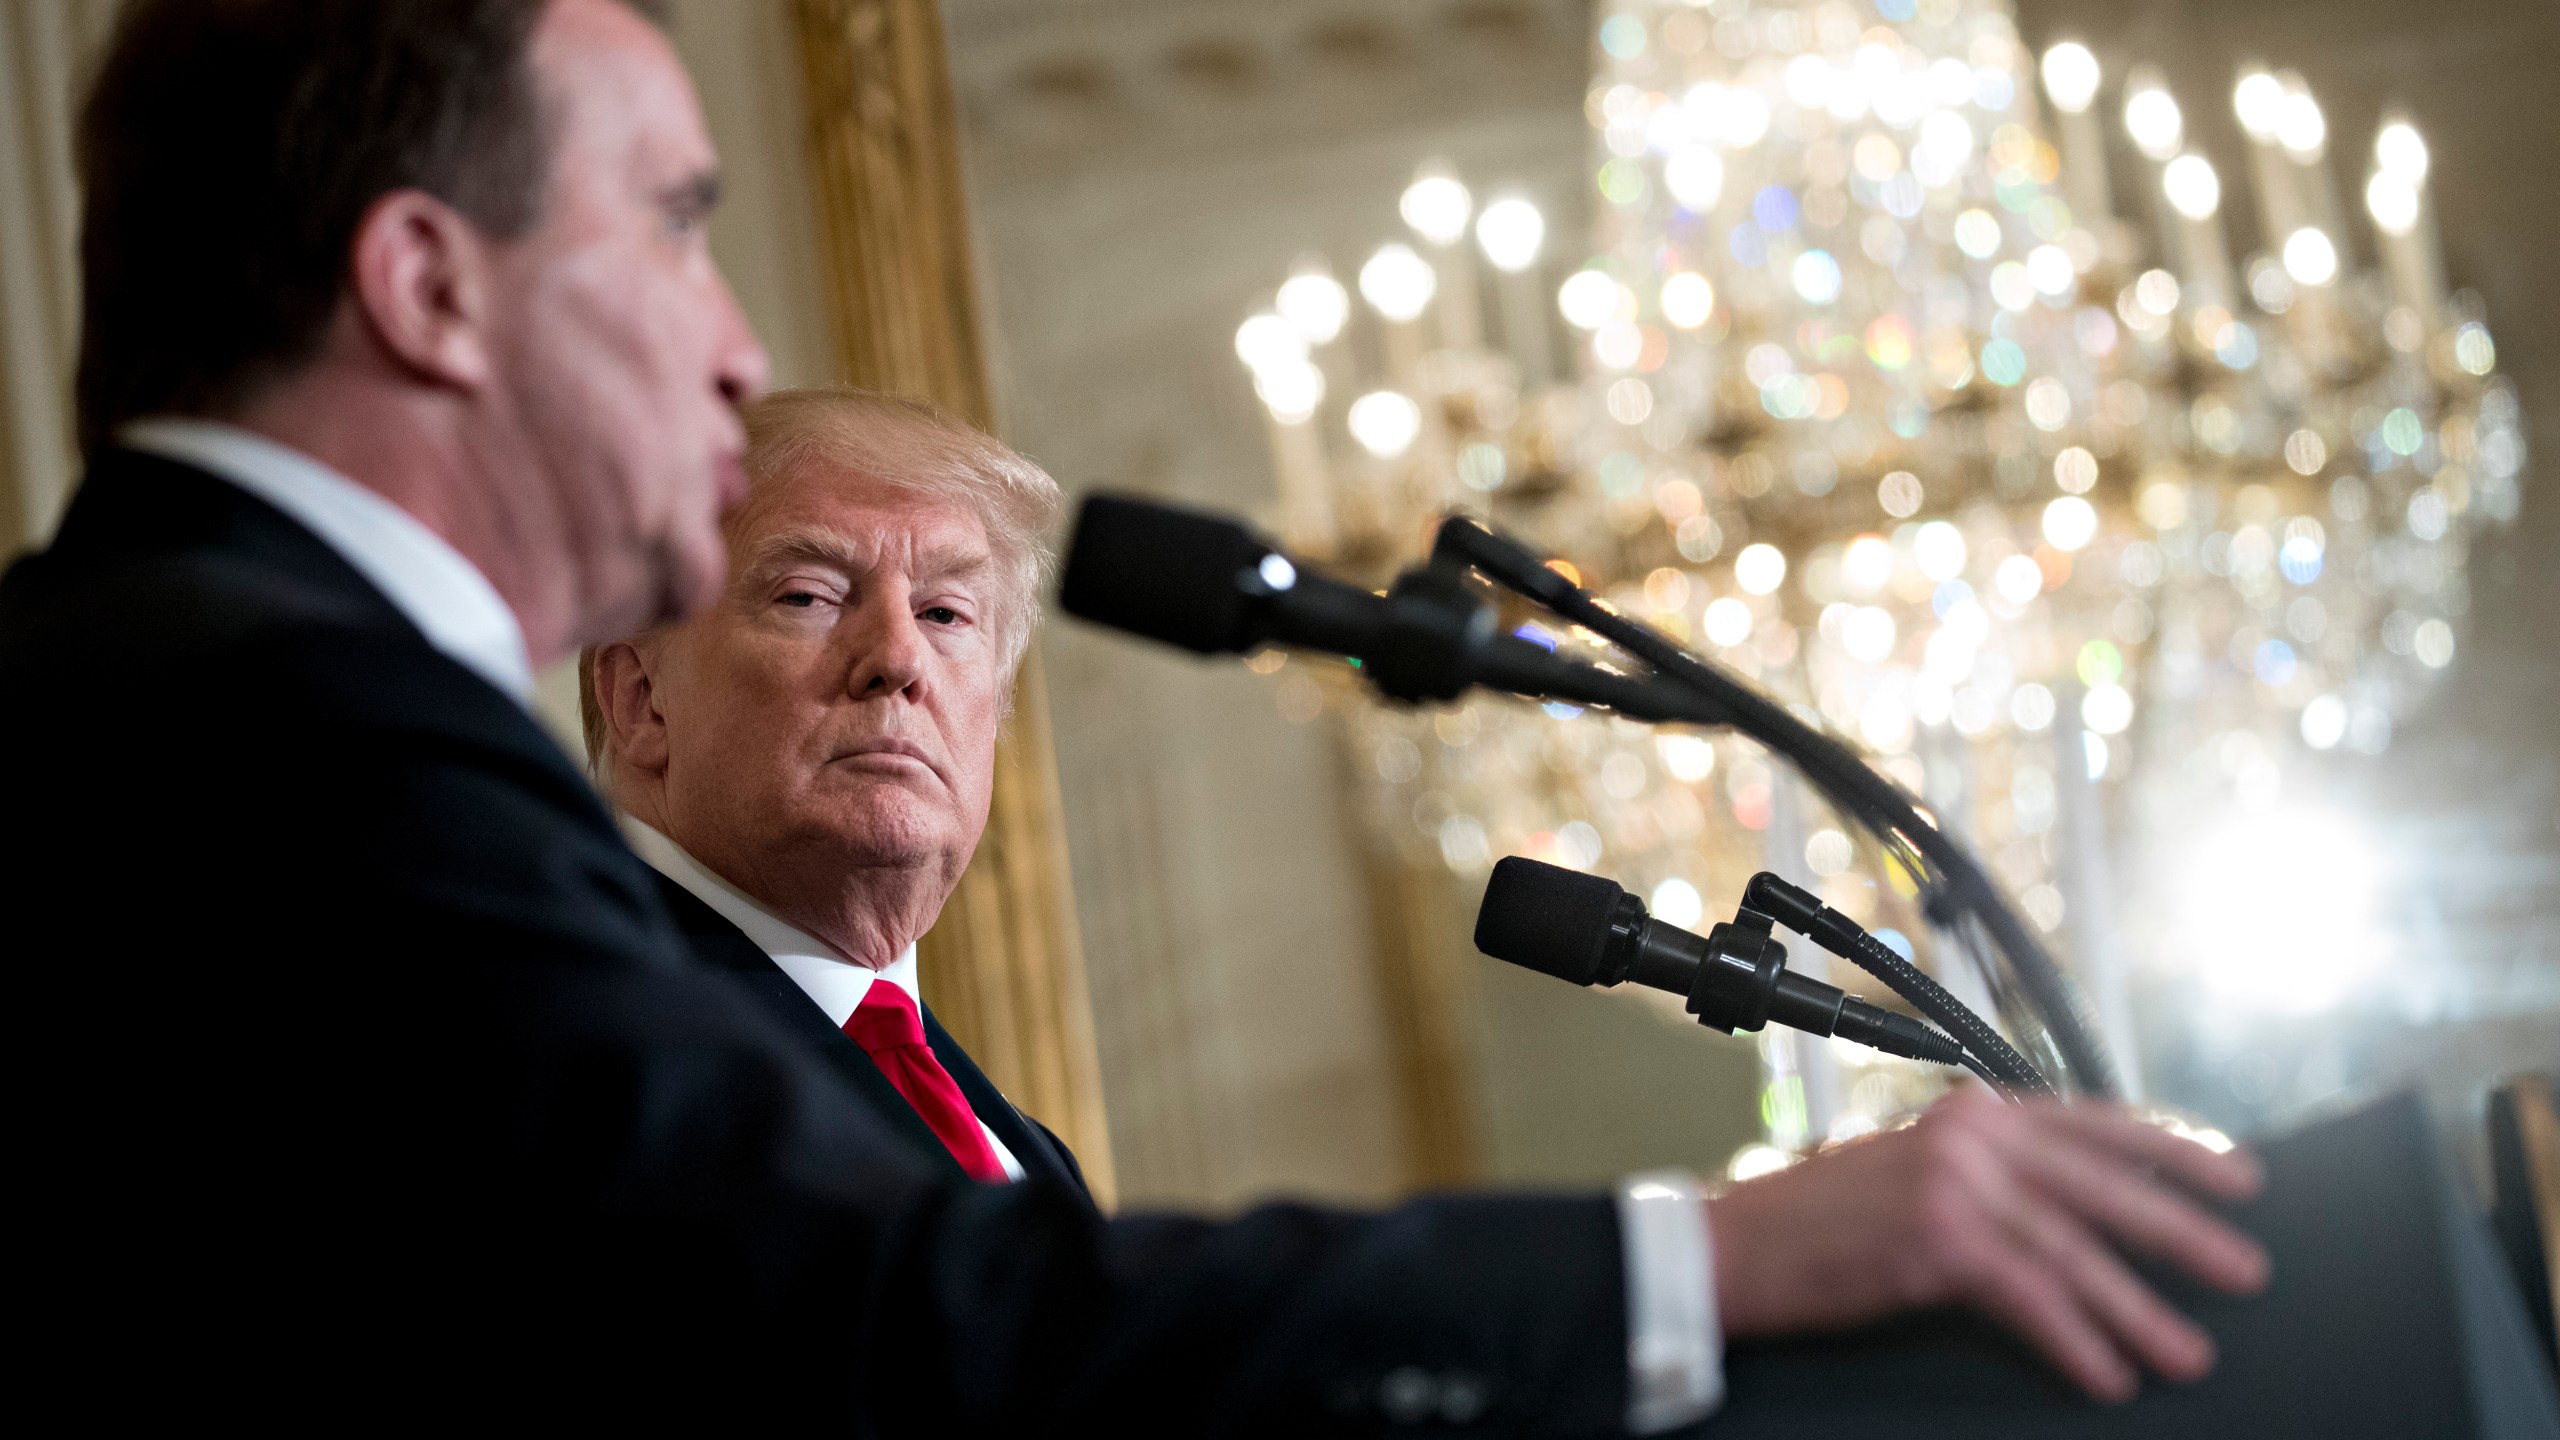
<point>887,752</point>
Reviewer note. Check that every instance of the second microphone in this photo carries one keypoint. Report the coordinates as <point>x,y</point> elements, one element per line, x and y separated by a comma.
<point>1587,930</point>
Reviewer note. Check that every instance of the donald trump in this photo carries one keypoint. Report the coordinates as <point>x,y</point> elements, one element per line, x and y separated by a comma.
<point>810,761</point>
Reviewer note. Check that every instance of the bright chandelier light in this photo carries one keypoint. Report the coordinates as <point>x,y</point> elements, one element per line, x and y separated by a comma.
<point>2073,528</point>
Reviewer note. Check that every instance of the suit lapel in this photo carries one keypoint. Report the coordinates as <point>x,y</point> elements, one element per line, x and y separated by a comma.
<point>1038,1151</point>
<point>722,946</point>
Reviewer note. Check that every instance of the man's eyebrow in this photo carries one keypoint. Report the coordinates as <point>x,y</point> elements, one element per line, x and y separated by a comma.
<point>776,552</point>
<point>693,197</point>
<point>780,551</point>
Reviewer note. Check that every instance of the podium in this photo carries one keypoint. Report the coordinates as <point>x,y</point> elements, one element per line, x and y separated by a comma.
<point>2389,1315</point>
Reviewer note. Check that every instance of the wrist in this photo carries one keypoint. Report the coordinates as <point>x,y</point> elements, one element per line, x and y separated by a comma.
<point>1752,1280</point>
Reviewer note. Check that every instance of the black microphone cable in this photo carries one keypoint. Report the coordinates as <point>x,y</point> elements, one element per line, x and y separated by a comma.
<point>1986,1053</point>
<point>1983,1073</point>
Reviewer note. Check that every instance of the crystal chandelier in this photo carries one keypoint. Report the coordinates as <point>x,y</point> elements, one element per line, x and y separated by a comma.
<point>2074,524</point>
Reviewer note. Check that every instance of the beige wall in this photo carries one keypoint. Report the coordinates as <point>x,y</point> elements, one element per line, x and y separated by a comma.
<point>46,48</point>
<point>745,65</point>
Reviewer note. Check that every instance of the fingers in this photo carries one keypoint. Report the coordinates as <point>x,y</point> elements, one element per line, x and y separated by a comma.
<point>2035,1268</point>
<point>2099,1190</point>
<point>2014,1210</point>
<point>2232,1175</point>
<point>2058,1184</point>
<point>2031,1299</point>
<point>2136,1321</point>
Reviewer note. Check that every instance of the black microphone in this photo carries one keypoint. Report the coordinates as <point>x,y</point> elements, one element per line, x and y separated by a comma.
<point>1586,930</point>
<point>1211,586</point>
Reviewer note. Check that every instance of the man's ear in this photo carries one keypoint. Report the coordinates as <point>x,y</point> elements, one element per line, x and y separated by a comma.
<point>627,694</point>
<point>421,281</point>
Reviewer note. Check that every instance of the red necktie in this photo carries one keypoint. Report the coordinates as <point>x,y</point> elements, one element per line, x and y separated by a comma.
<point>886,1026</point>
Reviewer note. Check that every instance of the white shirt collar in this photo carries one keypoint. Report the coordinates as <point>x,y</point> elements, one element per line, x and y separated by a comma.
<point>837,984</point>
<point>424,577</point>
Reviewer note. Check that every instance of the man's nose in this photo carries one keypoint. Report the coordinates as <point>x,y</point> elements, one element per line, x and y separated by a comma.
<point>891,655</point>
<point>740,368</point>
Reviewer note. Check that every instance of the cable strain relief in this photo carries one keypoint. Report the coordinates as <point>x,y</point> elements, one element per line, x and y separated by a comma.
<point>1906,1035</point>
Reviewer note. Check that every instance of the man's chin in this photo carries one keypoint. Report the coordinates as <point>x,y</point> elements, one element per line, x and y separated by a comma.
<point>880,822</point>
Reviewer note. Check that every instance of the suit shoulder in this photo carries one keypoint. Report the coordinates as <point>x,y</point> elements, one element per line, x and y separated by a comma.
<point>105,622</point>
<point>275,697</point>
<point>1066,1154</point>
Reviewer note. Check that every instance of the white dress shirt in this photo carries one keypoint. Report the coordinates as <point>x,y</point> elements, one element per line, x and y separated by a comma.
<point>1675,1340</point>
<point>423,576</point>
<point>836,984</point>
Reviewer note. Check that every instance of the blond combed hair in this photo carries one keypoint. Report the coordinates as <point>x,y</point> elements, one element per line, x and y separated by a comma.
<point>908,445</point>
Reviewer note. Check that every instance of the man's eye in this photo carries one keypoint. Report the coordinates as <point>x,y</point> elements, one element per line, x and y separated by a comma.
<point>942,615</point>
<point>803,599</point>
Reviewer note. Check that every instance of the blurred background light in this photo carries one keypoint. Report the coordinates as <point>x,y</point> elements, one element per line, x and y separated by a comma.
<point>2277,909</point>
<point>1589,299</point>
<point>1265,342</point>
<point>2152,118</point>
<point>1314,302</point>
<point>1511,231</point>
<point>2192,186</point>
<point>2070,76</point>
<point>1398,282</point>
<point>2258,99</point>
<point>1437,206</point>
<point>1384,423</point>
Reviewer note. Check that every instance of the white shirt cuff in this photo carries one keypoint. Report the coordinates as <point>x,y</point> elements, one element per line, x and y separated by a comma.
<point>1675,1345</point>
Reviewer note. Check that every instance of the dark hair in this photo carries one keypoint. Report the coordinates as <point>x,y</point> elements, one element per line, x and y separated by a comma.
<point>229,149</point>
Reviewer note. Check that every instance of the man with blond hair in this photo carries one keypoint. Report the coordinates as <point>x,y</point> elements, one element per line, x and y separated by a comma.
<point>850,684</point>
<point>807,764</point>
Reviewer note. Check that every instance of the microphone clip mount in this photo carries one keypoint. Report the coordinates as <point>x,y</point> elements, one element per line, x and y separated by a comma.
<point>1437,629</point>
<point>1735,978</point>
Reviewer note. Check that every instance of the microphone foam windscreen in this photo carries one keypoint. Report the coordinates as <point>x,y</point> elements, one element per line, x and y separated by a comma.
<point>1547,918</point>
<point>1163,573</point>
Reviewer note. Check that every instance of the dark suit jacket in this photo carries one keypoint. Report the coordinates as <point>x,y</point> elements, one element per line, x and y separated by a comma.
<point>724,947</point>
<point>363,1077</point>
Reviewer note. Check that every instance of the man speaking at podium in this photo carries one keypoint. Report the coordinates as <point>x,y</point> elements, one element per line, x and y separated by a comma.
<point>366,1076</point>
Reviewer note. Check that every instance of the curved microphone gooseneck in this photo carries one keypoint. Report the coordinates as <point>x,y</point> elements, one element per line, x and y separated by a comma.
<point>1953,883</point>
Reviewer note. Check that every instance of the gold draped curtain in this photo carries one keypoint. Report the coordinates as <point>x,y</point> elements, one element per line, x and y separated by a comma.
<point>1002,968</point>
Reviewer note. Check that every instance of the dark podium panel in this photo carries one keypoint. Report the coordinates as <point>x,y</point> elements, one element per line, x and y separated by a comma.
<point>2389,1316</point>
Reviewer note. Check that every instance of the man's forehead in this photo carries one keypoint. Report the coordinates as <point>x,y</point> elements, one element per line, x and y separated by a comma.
<point>818,505</point>
<point>621,85</point>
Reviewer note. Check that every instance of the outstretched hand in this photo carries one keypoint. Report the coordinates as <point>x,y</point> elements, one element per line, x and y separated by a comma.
<point>2015,1210</point>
